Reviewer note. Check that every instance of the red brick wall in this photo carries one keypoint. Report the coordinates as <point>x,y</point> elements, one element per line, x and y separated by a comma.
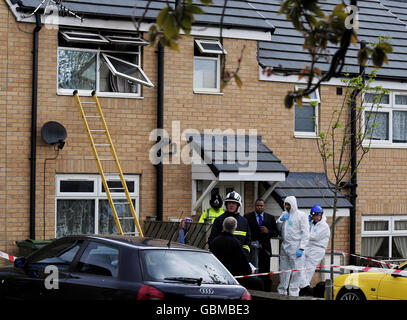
<point>258,105</point>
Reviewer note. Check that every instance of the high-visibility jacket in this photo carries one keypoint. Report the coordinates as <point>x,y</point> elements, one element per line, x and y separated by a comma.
<point>210,214</point>
<point>242,232</point>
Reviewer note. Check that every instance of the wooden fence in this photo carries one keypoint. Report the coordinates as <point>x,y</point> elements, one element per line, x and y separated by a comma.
<point>196,234</point>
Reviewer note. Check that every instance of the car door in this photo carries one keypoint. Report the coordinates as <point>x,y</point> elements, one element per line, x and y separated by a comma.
<point>43,274</point>
<point>95,274</point>
<point>393,286</point>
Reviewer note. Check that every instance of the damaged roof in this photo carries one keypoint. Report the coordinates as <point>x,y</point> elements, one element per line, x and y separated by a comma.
<point>385,18</point>
<point>238,13</point>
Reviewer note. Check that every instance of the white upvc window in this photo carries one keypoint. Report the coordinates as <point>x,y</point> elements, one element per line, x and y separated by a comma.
<point>207,65</point>
<point>112,69</point>
<point>82,206</point>
<point>390,121</point>
<point>127,40</point>
<point>210,46</point>
<point>85,37</point>
<point>306,117</point>
<point>127,70</point>
<point>384,237</point>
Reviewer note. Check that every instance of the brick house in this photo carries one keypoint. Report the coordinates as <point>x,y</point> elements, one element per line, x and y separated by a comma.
<point>86,55</point>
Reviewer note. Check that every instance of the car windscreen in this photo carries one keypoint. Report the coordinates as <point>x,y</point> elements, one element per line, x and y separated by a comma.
<point>164,265</point>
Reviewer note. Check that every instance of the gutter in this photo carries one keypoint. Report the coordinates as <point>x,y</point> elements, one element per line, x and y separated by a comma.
<point>33,157</point>
<point>160,125</point>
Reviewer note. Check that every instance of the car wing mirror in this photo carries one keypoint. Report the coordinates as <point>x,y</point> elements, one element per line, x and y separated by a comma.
<point>20,262</point>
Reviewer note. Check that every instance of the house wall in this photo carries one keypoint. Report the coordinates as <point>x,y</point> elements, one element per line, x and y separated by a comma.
<point>257,105</point>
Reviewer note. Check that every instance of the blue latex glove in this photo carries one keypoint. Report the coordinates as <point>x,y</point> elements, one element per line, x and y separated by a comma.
<point>298,253</point>
<point>310,220</point>
<point>285,217</point>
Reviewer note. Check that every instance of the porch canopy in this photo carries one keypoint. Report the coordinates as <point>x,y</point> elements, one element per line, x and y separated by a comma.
<point>231,157</point>
<point>311,188</point>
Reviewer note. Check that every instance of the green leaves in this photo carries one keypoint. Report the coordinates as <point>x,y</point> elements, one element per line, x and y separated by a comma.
<point>238,80</point>
<point>377,52</point>
<point>172,22</point>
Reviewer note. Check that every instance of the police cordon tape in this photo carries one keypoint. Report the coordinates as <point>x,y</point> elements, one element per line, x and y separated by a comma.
<point>351,268</point>
<point>7,256</point>
<point>284,271</point>
<point>369,259</point>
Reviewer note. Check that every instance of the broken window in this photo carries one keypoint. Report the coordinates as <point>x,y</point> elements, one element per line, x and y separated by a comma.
<point>129,40</point>
<point>109,64</point>
<point>75,36</point>
<point>127,70</point>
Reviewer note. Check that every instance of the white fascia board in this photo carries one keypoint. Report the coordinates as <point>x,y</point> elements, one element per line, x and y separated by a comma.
<point>13,8</point>
<point>250,176</point>
<point>391,85</point>
<point>144,27</point>
<point>231,33</point>
<point>294,79</point>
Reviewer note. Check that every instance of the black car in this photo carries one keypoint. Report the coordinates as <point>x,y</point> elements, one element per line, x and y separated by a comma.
<point>118,268</point>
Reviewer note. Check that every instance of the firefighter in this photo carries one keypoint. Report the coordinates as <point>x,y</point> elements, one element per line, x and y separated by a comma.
<point>209,215</point>
<point>233,202</point>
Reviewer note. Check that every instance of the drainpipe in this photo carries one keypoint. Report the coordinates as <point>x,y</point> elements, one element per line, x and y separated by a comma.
<point>353,181</point>
<point>34,124</point>
<point>160,125</point>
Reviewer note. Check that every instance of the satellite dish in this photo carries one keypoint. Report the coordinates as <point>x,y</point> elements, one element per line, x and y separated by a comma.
<point>53,132</point>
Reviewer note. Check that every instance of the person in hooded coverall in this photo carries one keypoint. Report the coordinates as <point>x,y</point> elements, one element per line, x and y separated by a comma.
<point>214,211</point>
<point>317,244</point>
<point>294,227</point>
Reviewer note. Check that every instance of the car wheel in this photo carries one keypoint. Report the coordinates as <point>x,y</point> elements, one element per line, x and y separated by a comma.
<point>354,295</point>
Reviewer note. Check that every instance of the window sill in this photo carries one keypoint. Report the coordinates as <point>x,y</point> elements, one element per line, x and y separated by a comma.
<point>101,95</point>
<point>305,135</point>
<point>388,145</point>
<point>208,92</point>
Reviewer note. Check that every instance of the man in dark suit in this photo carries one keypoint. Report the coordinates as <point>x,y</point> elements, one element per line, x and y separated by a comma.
<point>262,227</point>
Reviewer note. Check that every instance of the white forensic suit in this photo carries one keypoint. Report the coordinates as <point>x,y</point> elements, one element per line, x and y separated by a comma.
<point>295,234</point>
<point>315,250</point>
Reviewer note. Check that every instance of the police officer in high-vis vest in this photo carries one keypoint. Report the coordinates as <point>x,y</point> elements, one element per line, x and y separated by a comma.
<point>233,202</point>
<point>215,211</point>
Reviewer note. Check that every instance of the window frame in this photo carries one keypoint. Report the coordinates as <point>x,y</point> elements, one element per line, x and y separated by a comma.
<point>85,245</point>
<point>209,90</point>
<point>390,233</point>
<point>308,101</point>
<point>208,55</point>
<point>136,52</point>
<point>199,43</point>
<point>385,108</point>
<point>137,41</point>
<point>113,69</point>
<point>399,232</point>
<point>97,194</point>
<point>68,38</point>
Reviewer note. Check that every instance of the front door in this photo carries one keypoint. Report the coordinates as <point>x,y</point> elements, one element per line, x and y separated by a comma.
<point>223,188</point>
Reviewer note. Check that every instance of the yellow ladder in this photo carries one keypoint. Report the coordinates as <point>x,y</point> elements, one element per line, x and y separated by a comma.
<point>114,158</point>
